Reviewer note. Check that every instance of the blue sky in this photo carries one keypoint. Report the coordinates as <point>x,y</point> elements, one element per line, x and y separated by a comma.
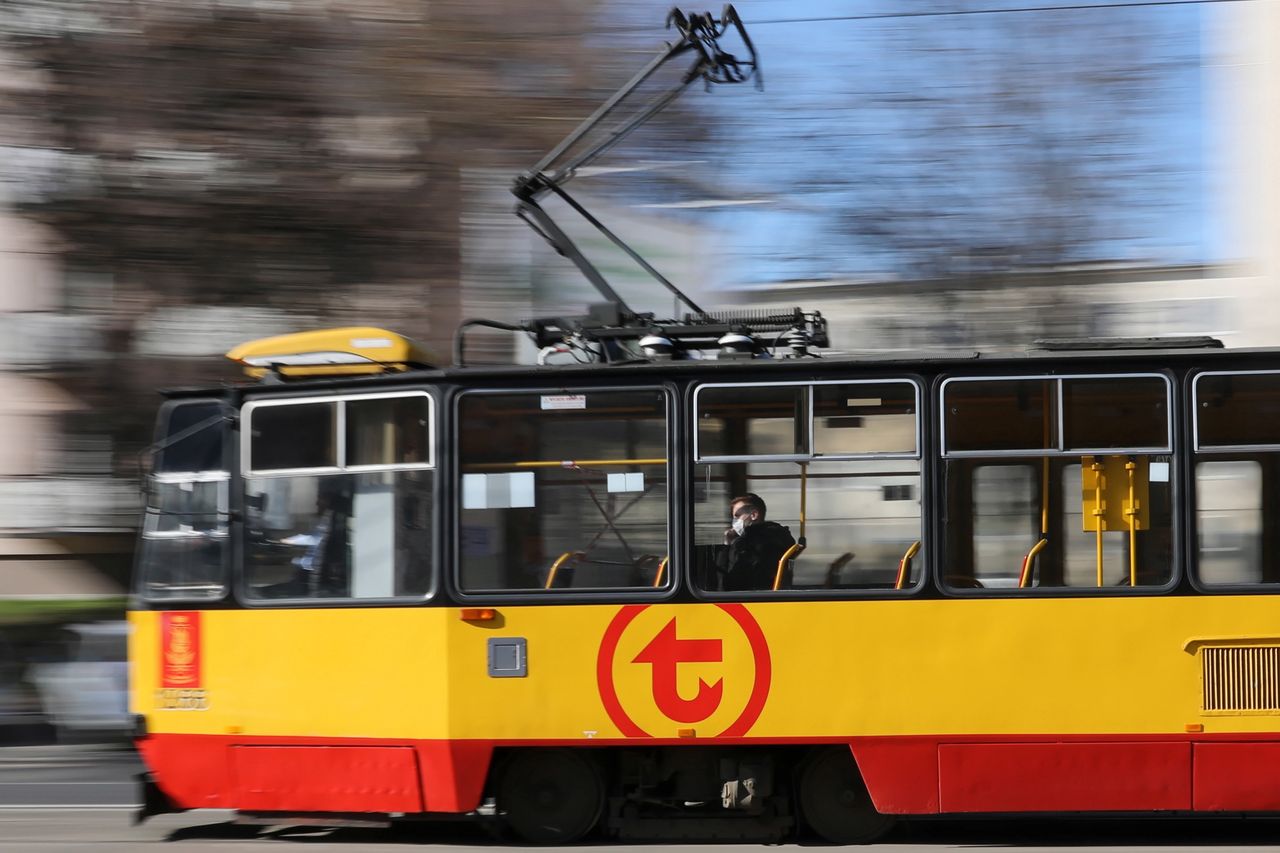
<point>1001,132</point>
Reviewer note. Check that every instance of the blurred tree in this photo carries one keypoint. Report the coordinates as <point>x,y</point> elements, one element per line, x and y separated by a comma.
<point>300,157</point>
<point>1030,145</point>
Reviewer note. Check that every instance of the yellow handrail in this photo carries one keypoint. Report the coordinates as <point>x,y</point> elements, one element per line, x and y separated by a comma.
<point>1028,563</point>
<point>904,565</point>
<point>782,563</point>
<point>804,491</point>
<point>561,463</point>
<point>555,567</point>
<point>1098,511</point>
<point>662,569</point>
<point>1131,512</point>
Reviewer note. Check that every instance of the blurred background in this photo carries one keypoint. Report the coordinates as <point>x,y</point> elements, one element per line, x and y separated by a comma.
<point>179,176</point>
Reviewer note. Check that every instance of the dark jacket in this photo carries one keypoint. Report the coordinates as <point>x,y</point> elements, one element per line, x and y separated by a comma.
<point>751,560</point>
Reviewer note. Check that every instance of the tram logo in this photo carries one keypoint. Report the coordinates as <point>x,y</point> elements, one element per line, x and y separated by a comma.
<point>180,649</point>
<point>180,688</point>
<point>677,668</point>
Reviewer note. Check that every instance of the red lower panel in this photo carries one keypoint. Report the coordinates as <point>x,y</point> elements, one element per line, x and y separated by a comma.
<point>901,773</point>
<point>453,773</point>
<point>1237,776</point>
<point>911,775</point>
<point>1066,777</point>
<point>316,774</point>
<point>327,778</point>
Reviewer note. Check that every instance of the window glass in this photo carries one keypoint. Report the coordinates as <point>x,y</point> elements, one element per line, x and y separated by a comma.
<point>190,438</point>
<point>862,521</point>
<point>1229,522</point>
<point>1031,523</point>
<point>1238,410</point>
<point>1006,524</point>
<point>563,491</point>
<point>293,435</point>
<point>182,551</point>
<point>388,431</point>
<point>348,535</point>
<point>1121,412</point>
<point>1000,414</point>
<point>864,418</point>
<point>770,420</point>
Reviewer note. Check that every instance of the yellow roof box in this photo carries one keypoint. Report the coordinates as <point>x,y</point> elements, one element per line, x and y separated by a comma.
<point>331,352</point>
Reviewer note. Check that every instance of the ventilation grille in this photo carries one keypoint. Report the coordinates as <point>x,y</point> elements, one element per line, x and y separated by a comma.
<point>1241,678</point>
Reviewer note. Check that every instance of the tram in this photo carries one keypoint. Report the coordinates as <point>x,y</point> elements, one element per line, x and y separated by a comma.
<point>374,586</point>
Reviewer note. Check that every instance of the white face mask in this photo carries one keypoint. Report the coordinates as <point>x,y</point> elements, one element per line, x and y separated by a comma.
<point>739,525</point>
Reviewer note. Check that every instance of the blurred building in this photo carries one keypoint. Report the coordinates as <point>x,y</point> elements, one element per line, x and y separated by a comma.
<point>69,495</point>
<point>65,523</point>
<point>1011,310</point>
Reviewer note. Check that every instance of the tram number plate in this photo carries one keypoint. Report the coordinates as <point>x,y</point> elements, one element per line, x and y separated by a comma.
<point>176,699</point>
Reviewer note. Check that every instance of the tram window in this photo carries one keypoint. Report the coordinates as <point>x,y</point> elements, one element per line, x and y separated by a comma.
<point>1229,521</point>
<point>763,420</point>
<point>563,491</point>
<point>1125,411</point>
<point>190,439</point>
<point>1000,414</point>
<point>1030,523</point>
<point>339,536</point>
<point>1152,552</point>
<point>1238,410</point>
<point>388,431</point>
<point>293,436</point>
<point>1005,524</point>
<point>862,519</point>
<point>182,550</point>
<point>860,418</point>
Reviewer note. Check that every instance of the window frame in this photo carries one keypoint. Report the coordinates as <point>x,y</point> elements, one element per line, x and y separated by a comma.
<point>340,434</point>
<point>1215,453</point>
<point>1179,528</point>
<point>1060,449</point>
<point>243,473</point>
<point>811,456</point>
<point>226,503</point>
<point>675,490</point>
<point>925,562</point>
<point>1195,415</point>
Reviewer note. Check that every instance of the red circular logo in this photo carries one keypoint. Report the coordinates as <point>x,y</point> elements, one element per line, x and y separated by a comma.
<point>664,653</point>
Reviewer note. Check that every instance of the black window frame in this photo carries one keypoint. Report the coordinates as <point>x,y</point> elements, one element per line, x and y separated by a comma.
<point>676,569</point>
<point>1175,450</point>
<point>241,472</point>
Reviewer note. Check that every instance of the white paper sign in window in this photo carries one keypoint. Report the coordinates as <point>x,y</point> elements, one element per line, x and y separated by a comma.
<point>564,401</point>
<point>626,482</point>
<point>497,491</point>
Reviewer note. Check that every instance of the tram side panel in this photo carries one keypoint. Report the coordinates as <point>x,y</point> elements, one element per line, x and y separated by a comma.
<point>951,706</point>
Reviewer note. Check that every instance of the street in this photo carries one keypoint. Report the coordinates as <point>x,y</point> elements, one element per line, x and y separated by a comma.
<point>76,799</point>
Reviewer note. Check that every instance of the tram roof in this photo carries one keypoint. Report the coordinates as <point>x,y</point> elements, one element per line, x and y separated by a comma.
<point>1096,355</point>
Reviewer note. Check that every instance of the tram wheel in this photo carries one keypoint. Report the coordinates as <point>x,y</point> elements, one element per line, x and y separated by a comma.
<point>550,796</point>
<point>835,802</point>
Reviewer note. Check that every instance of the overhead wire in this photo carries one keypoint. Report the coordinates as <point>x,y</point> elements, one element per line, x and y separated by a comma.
<point>954,13</point>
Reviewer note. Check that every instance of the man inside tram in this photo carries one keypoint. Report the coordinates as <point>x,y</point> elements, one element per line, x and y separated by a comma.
<point>754,546</point>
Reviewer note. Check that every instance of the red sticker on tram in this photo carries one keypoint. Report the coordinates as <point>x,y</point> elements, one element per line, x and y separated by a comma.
<point>667,647</point>
<point>180,649</point>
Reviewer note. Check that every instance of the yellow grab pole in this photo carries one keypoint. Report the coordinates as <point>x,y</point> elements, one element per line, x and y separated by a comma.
<point>555,567</point>
<point>1097,469</point>
<point>1132,511</point>
<point>804,491</point>
<point>782,564</point>
<point>662,570</point>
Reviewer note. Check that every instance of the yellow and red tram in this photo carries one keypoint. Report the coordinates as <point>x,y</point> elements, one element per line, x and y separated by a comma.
<point>1031,582</point>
